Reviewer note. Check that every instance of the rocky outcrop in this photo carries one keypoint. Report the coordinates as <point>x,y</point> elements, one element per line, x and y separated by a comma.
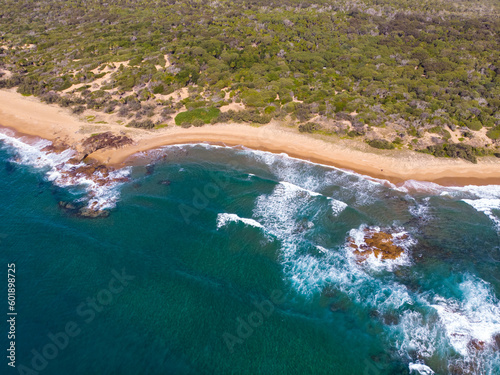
<point>105,140</point>
<point>97,176</point>
<point>82,211</point>
<point>379,243</point>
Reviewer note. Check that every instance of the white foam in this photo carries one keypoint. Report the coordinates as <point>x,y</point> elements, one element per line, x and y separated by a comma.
<point>420,209</point>
<point>280,213</point>
<point>483,198</point>
<point>423,331</point>
<point>420,368</point>
<point>477,316</point>
<point>32,154</point>
<point>322,249</point>
<point>297,171</point>
<point>485,205</point>
<point>58,170</point>
<point>224,218</point>
<point>294,187</point>
<point>356,187</point>
<point>412,186</point>
<point>337,206</point>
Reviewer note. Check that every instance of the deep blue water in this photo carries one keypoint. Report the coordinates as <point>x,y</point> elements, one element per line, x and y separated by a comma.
<point>231,261</point>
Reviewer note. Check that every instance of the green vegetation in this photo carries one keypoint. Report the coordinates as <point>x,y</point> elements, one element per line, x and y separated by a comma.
<point>423,65</point>
<point>494,133</point>
<point>466,152</point>
<point>249,116</point>
<point>203,114</point>
<point>146,124</point>
<point>309,127</point>
<point>381,144</point>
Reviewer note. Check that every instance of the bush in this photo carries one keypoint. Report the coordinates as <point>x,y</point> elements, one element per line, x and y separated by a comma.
<point>309,127</point>
<point>398,141</point>
<point>460,150</point>
<point>493,133</point>
<point>158,89</point>
<point>50,97</point>
<point>123,112</point>
<point>198,122</point>
<point>474,125</point>
<point>204,114</point>
<point>303,111</point>
<point>79,110</point>
<point>146,124</point>
<point>196,104</point>
<point>269,109</point>
<point>382,144</point>
<point>355,133</point>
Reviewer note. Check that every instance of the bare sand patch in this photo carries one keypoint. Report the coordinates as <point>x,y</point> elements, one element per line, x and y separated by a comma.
<point>232,107</point>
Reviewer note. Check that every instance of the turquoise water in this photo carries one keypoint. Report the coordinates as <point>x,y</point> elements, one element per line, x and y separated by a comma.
<point>231,261</point>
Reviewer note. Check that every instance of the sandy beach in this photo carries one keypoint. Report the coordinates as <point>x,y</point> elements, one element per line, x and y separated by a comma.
<point>27,115</point>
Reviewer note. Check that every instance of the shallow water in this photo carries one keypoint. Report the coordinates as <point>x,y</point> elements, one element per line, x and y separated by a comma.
<point>239,262</point>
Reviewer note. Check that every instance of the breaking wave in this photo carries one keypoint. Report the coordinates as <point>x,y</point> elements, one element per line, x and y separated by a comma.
<point>100,184</point>
<point>224,218</point>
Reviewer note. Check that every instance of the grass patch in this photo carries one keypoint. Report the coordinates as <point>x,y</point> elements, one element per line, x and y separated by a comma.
<point>90,118</point>
<point>203,114</point>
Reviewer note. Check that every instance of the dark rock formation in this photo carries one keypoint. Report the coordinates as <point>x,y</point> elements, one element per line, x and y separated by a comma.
<point>105,140</point>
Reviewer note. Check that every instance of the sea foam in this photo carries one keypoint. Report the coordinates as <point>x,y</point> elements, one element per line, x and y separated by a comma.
<point>224,218</point>
<point>102,191</point>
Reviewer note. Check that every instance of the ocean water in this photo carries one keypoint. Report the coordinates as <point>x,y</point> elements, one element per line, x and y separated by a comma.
<point>219,260</point>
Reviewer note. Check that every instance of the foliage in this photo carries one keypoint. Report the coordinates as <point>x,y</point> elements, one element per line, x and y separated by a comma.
<point>462,151</point>
<point>146,124</point>
<point>250,116</point>
<point>309,127</point>
<point>494,133</point>
<point>421,64</point>
<point>381,144</point>
<point>203,114</point>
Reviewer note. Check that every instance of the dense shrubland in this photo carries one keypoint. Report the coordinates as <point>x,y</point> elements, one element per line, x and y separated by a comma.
<point>429,67</point>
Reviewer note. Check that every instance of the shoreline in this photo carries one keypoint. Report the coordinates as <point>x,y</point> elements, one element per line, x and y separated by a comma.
<point>28,116</point>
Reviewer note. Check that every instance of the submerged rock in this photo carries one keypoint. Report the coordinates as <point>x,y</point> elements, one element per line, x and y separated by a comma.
<point>87,212</point>
<point>496,342</point>
<point>9,167</point>
<point>476,345</point>
<point>150,168</point>
<point>67,206</point>
<point>91,213</point>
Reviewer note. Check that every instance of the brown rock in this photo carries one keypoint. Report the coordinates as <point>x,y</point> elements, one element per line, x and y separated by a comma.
<point>377,243</point>
<point>66,205</point>
<point>496,340</point>
<point>475,344</point>
<point>105,140</point>
<point>92,214</point>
